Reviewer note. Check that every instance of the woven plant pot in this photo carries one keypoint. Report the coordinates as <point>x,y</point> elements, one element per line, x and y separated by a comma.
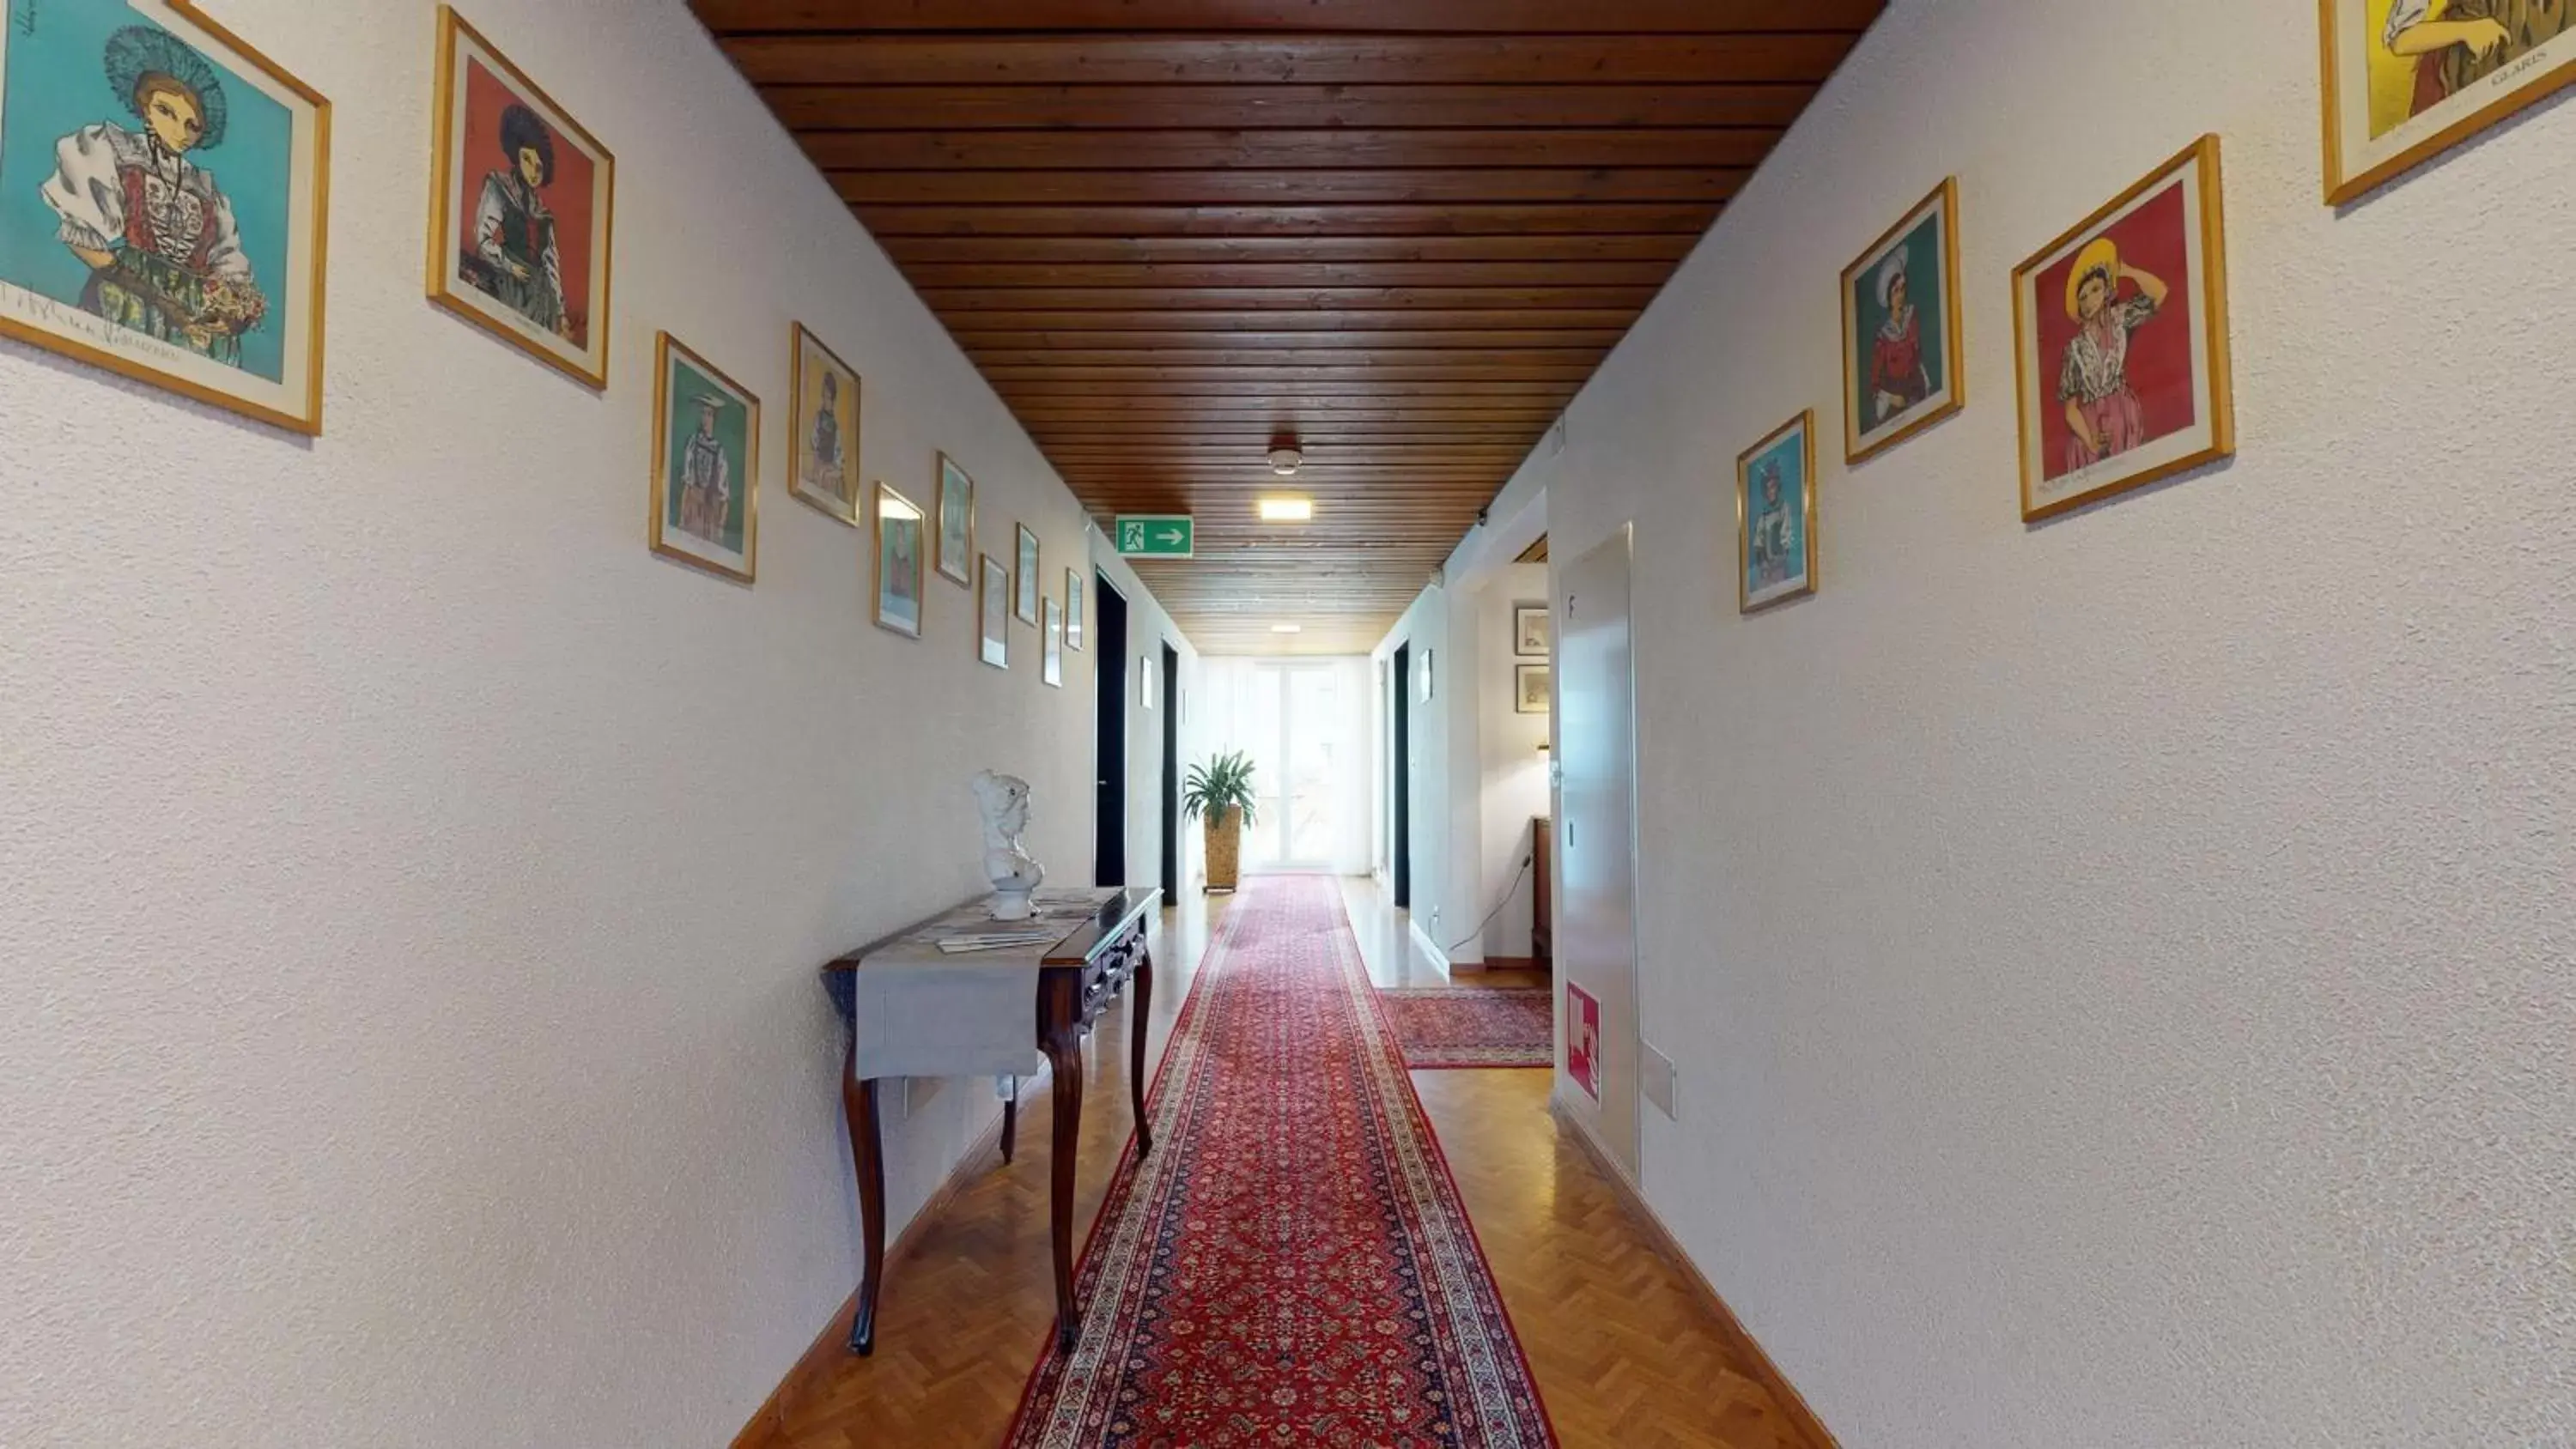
<point>1224,850</point>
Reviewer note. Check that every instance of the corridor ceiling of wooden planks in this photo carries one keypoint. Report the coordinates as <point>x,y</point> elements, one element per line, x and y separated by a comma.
<point>1405,231</point>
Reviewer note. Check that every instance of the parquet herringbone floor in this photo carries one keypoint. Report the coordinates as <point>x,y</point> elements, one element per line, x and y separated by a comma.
<point>1626,1355</point>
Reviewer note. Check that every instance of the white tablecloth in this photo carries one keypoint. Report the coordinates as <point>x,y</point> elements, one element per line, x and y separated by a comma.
<point>921,1012</point>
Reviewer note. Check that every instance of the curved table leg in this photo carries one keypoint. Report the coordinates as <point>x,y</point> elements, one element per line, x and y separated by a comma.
<point>1140,1010</point>
<point>867,1156</point>
<point>1064,1054</point>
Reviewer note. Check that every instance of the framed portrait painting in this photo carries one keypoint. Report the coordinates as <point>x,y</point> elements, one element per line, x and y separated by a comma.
<point>1025,582</point>
<point>706,464</point>
<point>955,555</point>
<point>1530,688</point>
<point>1051,666</point>
<point>1530,630</point>
<point>993,613</point>
<point>1073,608</point>
<point>2120,342</point>
<point>2408,79</point>
<point>162,190</point>
<point>823,429</point>
<point>519,210</point>
<point>901,546</point>
<point>1775,517</point>
<point>1901,341</point>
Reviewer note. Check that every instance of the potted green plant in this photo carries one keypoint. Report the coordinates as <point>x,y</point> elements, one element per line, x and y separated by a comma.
<point>1219,792</point>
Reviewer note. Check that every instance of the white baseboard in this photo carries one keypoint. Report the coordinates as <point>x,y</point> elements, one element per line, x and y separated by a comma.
<point>1429,947</point>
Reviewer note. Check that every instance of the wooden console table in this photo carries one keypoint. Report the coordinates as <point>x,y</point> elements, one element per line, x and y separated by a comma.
<point>915,1011</point>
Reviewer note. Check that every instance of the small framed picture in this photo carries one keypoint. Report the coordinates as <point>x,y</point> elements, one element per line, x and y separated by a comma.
<point>1073,608</point>
<point>1775,517</point>
<point>956,554</point>
<point>706,464</point>
<point>993,614</point>
<point>1530,631</point>
<point>1025,580</point>
<point>1530,688</point>
<point>1145,681</point>
<point>1901,347</point>
<point>520,208</point>
<point>2406,80</point>
<point>900,546</point>
<point>1051,667</point>
<point>1426,676</point>
<point>2120,342</point>
<point>162,191</point>
<point>823,428</point>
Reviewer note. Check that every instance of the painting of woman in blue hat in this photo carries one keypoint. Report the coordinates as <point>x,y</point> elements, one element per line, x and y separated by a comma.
<point>139,208</point>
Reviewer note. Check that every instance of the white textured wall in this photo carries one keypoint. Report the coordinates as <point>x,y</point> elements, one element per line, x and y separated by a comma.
<point>1444,855</point>
<point>2123,972</point>
<point>414,888</point>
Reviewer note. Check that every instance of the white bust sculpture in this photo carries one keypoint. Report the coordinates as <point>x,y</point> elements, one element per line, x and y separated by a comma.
<point>1003,801</point>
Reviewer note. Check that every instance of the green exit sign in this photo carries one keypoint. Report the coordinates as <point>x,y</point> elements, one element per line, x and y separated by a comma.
<point>1156,535</point>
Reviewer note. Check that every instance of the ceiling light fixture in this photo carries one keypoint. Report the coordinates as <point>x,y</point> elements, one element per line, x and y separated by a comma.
<point>1287,628</point>
<point>1287,510</point>
<point>1286,457</point>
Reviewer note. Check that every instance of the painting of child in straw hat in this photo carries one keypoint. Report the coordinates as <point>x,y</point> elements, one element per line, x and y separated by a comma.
<point>2121,336</point>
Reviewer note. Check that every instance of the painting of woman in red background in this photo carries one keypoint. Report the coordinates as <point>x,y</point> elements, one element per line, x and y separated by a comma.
<point>520,220</point>
<point>2120,335</point>
<point>2121,366</point>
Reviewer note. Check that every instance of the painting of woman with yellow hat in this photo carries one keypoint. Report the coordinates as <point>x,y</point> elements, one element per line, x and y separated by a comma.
<point>2121,337</point>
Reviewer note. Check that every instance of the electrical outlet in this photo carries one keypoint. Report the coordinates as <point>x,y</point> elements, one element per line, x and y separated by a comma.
<point>1659,1079</point>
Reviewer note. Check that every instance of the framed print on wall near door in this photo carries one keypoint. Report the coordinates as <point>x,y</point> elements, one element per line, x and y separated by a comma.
<point>1530,688</point>
<point>1775,517</point>
<point>900,547</point>
<point>520,209</point>
<point>1051,658</point>
<point>1073,608</point>
<point>1530,630</point>
<point>162,191</point>
<point>706,464</point>
<point>823,429</point>
<point>956,500</point>
<point>2120,342</point>
<point>1025,580</point>
<point>2408,79</point>
<point>1901,340</point>
<point>993,614</point>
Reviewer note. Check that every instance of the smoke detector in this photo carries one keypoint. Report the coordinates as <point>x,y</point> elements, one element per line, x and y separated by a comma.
<point>1285,456</point>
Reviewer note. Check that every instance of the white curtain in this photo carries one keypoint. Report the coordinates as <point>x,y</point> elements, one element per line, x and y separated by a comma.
<point>1305,722</point>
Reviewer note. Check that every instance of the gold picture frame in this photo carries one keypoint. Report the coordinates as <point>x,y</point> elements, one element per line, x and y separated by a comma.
<point>993,612</point>
<point>216,355</point>
<point>2121,451</point>
<point>1051,656</point>
<point>953,493</point>
<point>897,516</point>
<point>677,522</point>
<point>472,287</point>
<point>1073,608</point>
<point>1026,585</point>
<point>811,362</point>
<point>1784,459</point>
<point>1894,257</point>
<point>2450,92</point>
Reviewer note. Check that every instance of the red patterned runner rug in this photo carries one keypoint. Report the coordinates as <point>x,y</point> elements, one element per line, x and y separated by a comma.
<point>1292,1265</point>
<point>1473,1026</point>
